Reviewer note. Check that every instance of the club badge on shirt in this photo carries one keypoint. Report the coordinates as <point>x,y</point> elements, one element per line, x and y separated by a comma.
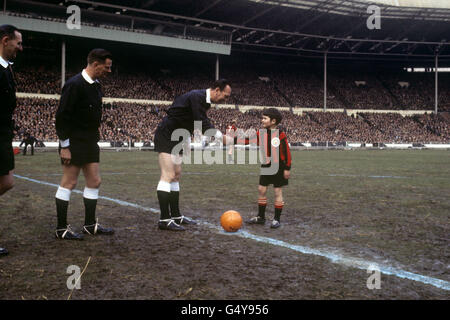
<point>275,142</point>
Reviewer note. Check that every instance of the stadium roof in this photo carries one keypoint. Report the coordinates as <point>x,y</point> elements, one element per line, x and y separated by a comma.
<point>338,27</point>
<point>414,3</point>
<point>432,4</point>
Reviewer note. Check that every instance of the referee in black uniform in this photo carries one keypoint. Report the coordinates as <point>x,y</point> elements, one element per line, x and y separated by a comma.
<point>77,126</point>
<point>10,44</point>
<point>186,109</point>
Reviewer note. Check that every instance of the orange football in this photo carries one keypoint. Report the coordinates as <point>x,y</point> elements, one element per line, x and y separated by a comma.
<point>231,221</point>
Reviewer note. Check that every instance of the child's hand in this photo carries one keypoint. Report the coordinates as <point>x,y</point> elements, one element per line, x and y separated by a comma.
<point>287,174</point>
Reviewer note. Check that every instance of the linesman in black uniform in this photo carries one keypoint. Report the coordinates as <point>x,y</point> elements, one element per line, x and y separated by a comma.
<point>186,109</point>
<point>10,44</point>
<point>77,125</point>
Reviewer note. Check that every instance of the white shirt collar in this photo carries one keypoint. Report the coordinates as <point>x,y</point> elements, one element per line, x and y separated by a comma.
<point>87,78</point>
<point>4,63</point>
<point>208,96</point>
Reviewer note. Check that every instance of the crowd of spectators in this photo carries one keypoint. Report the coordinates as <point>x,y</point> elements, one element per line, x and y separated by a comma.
<point>303,89</point>
<point>124,122</point>
<point>37,117</point>
<point>439,124</point>
<point>363,127</point>
<point>417,93</point>
<point>121,122</point>
<point>394,128</point>
<point>254,87</point>
<point>361,91</point>
<point>38,80</point>
<point>254,84</point>
<point>265,86</point>
<point>133,122</point>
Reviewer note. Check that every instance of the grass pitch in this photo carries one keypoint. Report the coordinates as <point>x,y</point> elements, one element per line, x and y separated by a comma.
<point>387,206</point>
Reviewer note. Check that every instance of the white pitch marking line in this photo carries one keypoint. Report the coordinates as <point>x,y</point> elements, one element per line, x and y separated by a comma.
<point>230,173</point>
<point>122,203</point>
<point>335,258</point>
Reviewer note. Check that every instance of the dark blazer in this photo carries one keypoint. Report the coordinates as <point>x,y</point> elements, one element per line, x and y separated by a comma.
<point>7,103</point>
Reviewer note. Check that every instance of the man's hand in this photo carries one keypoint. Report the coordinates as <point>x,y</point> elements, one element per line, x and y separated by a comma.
<point>66,156</point>
<point>287,174</point>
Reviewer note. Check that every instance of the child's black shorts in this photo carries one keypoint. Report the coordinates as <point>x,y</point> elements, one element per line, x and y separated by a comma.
<point>277,179</point>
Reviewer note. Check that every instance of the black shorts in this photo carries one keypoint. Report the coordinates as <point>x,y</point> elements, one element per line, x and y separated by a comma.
<point>277,179</point>
<point>163,142</point>
<point>6,157</point>
<point>83,152</point>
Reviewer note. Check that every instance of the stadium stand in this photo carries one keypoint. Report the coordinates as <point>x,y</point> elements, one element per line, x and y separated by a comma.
<point>290,83</point>
<point>123,122</point>
<point>269,87</point>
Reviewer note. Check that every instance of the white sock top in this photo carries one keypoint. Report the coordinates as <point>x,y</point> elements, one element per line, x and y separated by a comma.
<point>63,194</point>
<point>90,193</point>
<point>175,186</point>
<point>163,186</point>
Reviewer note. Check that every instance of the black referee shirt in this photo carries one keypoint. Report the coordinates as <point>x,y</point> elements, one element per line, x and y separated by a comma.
<point>80,110</point>
<point>7,103</point>
<point>186,109</point>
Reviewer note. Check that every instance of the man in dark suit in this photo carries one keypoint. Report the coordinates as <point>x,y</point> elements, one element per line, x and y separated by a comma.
<point>186,109</point>
<point>77,126</point>
<point>10,44</point>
